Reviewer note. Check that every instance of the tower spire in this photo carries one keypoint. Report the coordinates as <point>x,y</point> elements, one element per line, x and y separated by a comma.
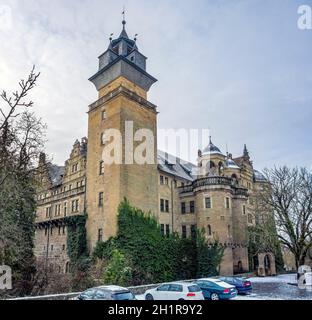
<point>123,32</point>
<point>246,152</point>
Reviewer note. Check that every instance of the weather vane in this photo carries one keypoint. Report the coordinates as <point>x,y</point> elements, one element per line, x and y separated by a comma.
<point>124,13</point>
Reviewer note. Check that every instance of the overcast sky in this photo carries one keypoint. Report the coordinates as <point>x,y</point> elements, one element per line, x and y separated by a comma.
<point>240,68</point>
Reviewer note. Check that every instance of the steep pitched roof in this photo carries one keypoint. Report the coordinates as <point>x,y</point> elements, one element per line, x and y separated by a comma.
<point>175,166</point>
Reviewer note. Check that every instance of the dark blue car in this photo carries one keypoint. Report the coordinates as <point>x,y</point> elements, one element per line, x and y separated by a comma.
<point>242,285</point>
<point>215,289</point>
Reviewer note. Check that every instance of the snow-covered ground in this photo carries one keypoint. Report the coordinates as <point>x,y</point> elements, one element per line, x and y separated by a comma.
<point>281,287</point>
<point>284,278</point>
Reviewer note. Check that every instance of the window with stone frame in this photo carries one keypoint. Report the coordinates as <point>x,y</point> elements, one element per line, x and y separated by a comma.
<point>162,205</point>
<point>208,203</point>
<point>103,115</point>
<point>161,180</point>
<point>227,203</point>
<point>100,235</point>
<point>101,168</point>
<point>101,199</point>
<point>192,206</point>
<point>167,205</point>
<point>162,229</point>
<point>167,230</point>
<point>65,209</point>
<point>183,207</point>
<point>75,205</point>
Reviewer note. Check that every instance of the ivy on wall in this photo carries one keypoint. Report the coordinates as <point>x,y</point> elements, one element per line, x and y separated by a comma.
<point>140,248</point>
<point>77,248</point>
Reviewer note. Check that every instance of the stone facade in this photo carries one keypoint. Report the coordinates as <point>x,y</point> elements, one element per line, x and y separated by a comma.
<point>213,195</point>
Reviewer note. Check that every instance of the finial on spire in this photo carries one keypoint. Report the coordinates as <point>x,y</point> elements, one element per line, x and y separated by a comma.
<point>124,17</point>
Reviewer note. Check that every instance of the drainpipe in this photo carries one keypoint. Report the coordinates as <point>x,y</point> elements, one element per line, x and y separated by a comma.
<point>172,214</point>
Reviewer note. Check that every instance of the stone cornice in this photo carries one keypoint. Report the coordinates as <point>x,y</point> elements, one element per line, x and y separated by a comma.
<point>121,90</point>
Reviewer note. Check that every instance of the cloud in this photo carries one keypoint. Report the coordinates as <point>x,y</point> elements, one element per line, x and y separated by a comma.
<point>241,68</point>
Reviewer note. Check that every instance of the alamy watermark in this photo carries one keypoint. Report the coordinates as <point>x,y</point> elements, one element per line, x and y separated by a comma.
<point>5,277</point>
<point>139,146</point>
<point>305,17</point>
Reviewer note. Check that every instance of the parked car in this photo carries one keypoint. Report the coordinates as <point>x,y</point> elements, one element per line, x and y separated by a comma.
<point>107,293</point>
<point>215,289</point>
<point>242,285</point>
<point>175,291</point>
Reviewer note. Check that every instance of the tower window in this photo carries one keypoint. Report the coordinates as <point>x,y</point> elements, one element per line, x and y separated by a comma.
<point>244,209</point>
<point>208,203</point>
<point>101,199</point>
<point>100,235</point>
<point>104,115</point>
<point>227,203</point>
<point>209,230</point>
<point>192,207</point>
<point>101,168</point>
<point>183,208</point>
<point>167,205</point>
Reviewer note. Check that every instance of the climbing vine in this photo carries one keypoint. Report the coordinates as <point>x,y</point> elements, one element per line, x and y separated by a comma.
<point>77,248</point>
<point>140,249</point>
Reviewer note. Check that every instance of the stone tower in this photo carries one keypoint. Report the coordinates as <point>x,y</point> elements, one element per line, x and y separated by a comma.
<point>122,83</point>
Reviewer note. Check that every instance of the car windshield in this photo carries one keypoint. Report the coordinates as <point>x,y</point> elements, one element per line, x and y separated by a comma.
<point>123,296</point>
<point>194,288</point>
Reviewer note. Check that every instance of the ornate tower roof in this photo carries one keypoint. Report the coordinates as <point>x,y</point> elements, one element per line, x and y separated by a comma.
<point>122,58</point>
<point>211,149</point>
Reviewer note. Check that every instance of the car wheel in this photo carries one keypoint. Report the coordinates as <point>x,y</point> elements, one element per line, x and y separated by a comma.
<point>214,296</point>
<point>149,297</point>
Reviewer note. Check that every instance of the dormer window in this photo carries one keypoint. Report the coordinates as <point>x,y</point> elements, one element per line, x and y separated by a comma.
<point>116,50</point>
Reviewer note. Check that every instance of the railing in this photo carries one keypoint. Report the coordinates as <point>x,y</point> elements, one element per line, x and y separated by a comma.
<point>61,196</point>
<point>214,181</point>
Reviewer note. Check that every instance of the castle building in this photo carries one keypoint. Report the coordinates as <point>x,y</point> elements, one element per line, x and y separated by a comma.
<point>217,199</point>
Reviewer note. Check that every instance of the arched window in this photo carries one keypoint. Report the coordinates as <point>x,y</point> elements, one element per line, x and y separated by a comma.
<point>211,165</point>
<point>220,167</point>
<point>209,230</point>
<point>235,179</point>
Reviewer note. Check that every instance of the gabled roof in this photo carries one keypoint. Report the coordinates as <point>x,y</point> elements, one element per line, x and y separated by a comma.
<point>55,174</point>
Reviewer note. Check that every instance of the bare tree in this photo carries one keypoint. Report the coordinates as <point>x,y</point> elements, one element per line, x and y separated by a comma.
<point>289,196</point>
<point>21,142</point>
<point>21,133</point>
